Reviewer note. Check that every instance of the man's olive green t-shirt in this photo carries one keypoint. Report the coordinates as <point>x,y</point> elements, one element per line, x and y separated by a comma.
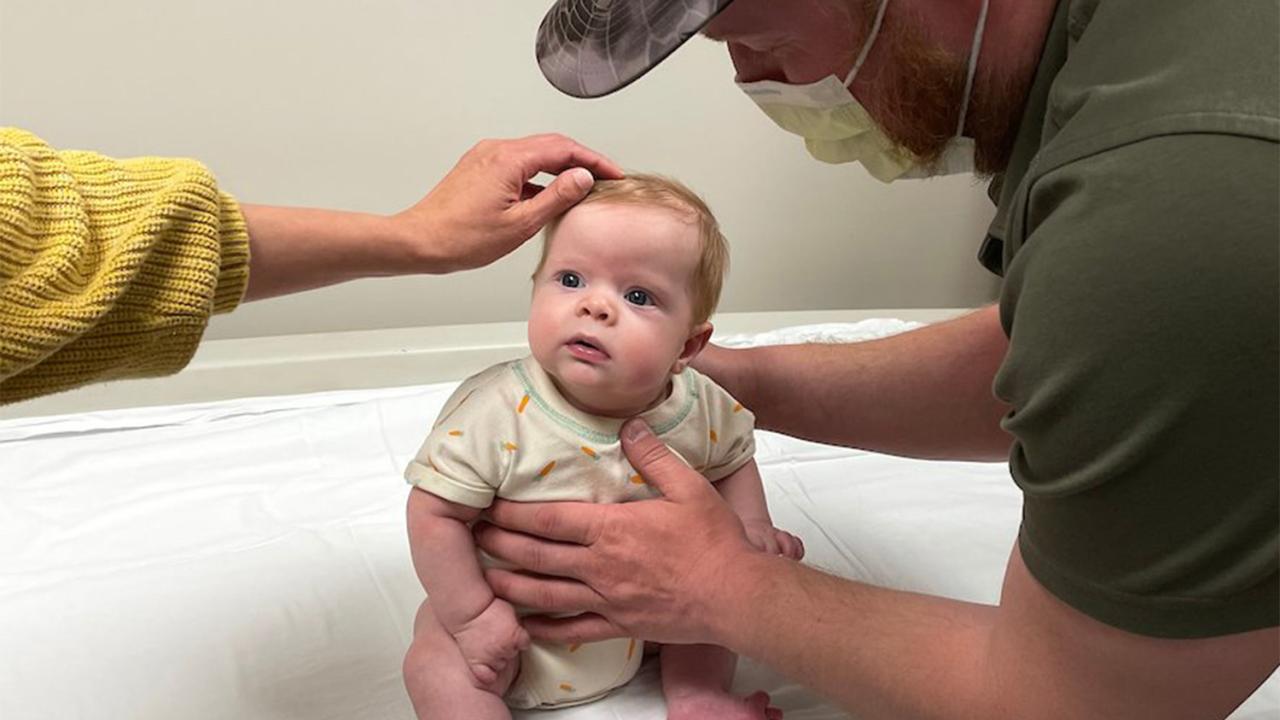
<point>1140,220</point>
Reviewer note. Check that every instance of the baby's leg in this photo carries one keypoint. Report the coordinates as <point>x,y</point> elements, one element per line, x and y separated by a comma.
<point>696,680</point>
<point>441,685</point>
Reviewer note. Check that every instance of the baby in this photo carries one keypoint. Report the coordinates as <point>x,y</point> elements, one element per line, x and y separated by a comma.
<point>621,298</point>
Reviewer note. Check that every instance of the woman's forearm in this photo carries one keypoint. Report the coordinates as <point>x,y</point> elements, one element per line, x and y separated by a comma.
<point>295,249</point>
<point>484,208</point>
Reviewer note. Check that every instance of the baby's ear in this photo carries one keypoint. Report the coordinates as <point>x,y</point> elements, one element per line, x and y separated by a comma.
<point>699,336</point>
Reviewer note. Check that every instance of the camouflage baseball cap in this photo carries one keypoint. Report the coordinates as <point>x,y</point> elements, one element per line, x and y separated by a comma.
<point>590,48</point>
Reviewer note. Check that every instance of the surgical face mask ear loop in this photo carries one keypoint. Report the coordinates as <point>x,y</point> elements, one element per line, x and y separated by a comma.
<point>975,51</point>
<point>866,46</point>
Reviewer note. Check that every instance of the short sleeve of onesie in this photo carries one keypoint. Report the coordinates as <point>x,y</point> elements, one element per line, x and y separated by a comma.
<point>730,430</point>
<point>462,459</point>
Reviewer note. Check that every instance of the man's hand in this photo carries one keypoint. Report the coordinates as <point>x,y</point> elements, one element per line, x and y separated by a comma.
<point>490,641</point>
<point>487,205</point>
<point>650,569</point>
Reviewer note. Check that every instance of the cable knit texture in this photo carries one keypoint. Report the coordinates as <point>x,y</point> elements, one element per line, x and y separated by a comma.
<point>108,268</point>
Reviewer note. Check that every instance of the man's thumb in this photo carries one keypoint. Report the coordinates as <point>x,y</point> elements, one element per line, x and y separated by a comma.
<point>564,192</point>
<point>660,468</point>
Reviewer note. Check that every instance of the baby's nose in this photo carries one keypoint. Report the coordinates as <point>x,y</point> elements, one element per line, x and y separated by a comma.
<point>596,307</point>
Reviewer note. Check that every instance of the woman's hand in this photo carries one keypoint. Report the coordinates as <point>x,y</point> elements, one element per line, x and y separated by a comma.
<point>483,209</point>
<point>488,205</point>
<point>662,569</point>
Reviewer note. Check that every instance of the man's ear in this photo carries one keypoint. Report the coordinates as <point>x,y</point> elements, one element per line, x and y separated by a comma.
<point>699,336</point>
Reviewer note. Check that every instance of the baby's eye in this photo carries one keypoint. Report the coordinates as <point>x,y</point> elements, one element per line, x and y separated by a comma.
<point>570,280</point>
<point>638,297</point>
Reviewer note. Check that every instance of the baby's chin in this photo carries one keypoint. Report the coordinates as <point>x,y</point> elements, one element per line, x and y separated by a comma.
<point>596,393</point>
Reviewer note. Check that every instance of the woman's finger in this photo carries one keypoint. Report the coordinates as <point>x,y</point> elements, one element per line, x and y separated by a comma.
<point>553,153</point>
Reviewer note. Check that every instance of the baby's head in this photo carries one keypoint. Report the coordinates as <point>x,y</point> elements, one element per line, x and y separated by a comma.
<point>621,297</point>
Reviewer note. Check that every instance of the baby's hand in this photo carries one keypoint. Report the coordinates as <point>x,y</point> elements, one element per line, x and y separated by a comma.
<point>764,536</point>
<point>490,641</point>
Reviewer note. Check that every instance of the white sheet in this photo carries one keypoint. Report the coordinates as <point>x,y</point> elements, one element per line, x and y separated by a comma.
<point>247,559</point>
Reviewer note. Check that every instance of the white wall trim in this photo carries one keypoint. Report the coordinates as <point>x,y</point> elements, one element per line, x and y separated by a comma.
<point>290,364</point>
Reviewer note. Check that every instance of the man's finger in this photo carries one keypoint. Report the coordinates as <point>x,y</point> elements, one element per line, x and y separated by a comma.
<point>542,593</point>
<point>587,627</point>
<point>660,467</point>
<point>573,522</point>
<point>530,553</point>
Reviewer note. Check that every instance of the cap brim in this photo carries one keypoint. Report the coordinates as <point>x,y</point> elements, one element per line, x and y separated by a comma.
<point>590,48</point>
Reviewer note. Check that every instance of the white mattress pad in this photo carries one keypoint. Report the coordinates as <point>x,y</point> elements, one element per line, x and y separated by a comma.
<point>247,559</point>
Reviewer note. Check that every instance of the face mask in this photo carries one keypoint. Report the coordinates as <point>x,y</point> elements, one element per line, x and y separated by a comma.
<point>837,129</point>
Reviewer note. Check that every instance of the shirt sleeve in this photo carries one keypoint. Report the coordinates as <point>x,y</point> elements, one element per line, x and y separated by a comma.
<point>109,268</point>
<point>730,429</point>
<point>1142,317</point>
<point>461,459</point>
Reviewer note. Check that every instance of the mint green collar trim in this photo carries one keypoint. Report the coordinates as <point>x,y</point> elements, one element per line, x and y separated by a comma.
<point>684,392</point>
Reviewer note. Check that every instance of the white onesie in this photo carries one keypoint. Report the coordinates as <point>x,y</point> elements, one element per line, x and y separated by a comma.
<point>507,432</point>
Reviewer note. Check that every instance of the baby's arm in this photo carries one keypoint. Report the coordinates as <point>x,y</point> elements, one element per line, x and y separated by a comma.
<point>744,492</point>
<point>444,556</point>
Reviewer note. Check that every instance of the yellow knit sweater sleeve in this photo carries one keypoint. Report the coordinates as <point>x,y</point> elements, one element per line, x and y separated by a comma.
<point>108,268</point>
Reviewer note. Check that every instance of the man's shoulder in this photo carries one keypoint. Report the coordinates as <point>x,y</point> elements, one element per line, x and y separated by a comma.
<point>1136,70</point>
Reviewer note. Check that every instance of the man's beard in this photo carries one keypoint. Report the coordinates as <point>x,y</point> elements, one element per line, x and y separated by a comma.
<point>923,90</point>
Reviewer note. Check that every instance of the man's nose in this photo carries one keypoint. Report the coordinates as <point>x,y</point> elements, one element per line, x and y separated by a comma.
<point>751,65</point>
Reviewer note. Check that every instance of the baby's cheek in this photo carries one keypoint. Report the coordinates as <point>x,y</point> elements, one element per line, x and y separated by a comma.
<point>652,364</point>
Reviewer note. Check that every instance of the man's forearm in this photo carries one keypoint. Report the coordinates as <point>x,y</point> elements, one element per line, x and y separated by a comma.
<point>925,393</point>
<point>295,249</point>
<point>886,654</point>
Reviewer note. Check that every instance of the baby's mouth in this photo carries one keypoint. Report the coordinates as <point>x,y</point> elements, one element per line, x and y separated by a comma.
<point>587,349</point>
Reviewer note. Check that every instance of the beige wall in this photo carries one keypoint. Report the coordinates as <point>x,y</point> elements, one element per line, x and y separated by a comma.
<point>363,105</point>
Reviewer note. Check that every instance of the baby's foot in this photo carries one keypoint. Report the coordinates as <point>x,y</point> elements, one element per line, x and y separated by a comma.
<point>712,705</point>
